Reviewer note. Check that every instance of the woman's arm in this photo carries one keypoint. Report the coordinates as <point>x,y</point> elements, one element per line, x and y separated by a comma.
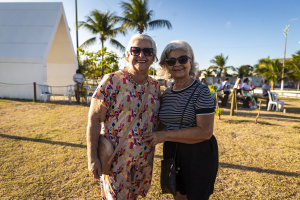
<point>97,114</point>
<point>203,131</point>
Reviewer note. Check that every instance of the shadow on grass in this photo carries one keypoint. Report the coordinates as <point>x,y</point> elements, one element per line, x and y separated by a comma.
<point>250,121</point>
<point>52,102</point>
<point>42,141</point>
<point>224,165</point>
<point>255,169</point>
<point>270,114</point>
<point>260,170</point>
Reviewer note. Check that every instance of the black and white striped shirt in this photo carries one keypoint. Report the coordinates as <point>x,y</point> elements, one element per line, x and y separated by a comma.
<point>173,102</point>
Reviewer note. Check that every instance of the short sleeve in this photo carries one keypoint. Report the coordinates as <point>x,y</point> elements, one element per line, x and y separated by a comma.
<point>103,91</point>
<point>205,104</point>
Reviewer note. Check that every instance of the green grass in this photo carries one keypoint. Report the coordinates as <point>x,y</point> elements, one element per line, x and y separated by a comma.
<point>43,153</point>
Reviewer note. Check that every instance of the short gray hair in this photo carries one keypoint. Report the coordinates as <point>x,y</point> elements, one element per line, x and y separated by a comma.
<point>141,37</point>
<point>176,45</point>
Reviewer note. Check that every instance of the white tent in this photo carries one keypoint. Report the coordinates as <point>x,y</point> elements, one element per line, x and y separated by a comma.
<point>35,46</point>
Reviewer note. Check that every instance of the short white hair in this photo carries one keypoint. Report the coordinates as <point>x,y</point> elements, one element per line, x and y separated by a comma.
<point>141,37</point>
<point>175,45</point>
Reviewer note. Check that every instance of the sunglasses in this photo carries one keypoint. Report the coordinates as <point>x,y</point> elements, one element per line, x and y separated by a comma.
<point>135,51</point>
<point>181,59</point>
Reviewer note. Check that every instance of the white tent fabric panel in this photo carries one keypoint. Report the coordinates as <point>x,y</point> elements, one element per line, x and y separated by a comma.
<point>35,46</point>
<point>25,34</point>
<point>22,50</point>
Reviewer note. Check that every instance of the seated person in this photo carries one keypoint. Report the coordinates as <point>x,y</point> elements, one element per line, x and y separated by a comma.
<point>265,88</point>
<point>203,81</point>
<point>245,92</point>
<point>219,85</point>
<point>226,86</point>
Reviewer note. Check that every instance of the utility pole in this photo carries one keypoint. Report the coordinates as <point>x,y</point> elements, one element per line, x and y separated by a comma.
<point>76,27</point>
<point>285,32</point>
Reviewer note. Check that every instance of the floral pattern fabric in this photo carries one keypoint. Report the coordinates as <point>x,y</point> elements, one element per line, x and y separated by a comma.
<point>252,103</point>
<point>131,171</point>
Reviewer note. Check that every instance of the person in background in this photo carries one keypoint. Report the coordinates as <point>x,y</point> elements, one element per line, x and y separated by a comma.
<point>203,82</point>
<point>114,105</point>
<point>197,151</point>
<point>226,86</point>
<point>78,79</point>
<point>197,76</point>
<point>167,83</point>
<point>238,84</point>
<point>219,85</point>
<point>265,88</point>
<point>245,92</point>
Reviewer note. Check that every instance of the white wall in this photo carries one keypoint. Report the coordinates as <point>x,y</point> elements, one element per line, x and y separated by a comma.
<point>60,75</point>
<point>20,73</point>
<point>61,62</point>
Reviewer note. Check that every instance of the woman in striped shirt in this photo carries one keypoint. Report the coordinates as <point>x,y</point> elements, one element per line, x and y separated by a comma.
<point>197,150</point>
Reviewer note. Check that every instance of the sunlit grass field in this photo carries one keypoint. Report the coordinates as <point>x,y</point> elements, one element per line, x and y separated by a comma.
<point>43,153</point>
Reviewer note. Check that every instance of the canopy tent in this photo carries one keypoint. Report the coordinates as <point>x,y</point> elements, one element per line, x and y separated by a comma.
<point>35,46</point>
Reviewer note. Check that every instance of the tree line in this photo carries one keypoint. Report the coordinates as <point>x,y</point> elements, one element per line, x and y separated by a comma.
<point>136,16</point>
<point>270,69</point>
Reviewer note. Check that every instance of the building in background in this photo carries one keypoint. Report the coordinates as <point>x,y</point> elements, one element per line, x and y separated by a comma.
<point>35,46</point>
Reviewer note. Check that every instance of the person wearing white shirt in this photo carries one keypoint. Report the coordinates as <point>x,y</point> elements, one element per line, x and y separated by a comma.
<point>78,79</point>
<point>245,92</point>
<point>238,84</point>
<point>219,85</point>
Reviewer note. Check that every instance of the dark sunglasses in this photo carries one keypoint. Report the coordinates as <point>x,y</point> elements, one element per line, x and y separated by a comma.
<point>135,51</point>
<point>181,59</point>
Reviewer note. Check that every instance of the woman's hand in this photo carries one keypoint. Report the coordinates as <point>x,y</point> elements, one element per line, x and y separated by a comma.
<point>155,137</point>
<point>94,168</point>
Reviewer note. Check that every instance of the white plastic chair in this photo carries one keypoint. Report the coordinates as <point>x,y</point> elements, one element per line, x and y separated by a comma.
<point>69,93</point>
<point>273,100</point>
<point>90,93</point>
<point>46,92</point>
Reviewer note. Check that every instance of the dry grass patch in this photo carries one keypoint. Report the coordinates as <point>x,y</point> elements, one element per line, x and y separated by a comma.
<point>43,153</point>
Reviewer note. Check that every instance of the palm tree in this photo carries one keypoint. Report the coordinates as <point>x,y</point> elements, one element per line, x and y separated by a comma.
<point>246,70</point>
<point>208,72</point>
<point>270,69</point>
<point>103,25</point>
<point>138,16</point>
<point>294,68</point>
<point>220,63</point>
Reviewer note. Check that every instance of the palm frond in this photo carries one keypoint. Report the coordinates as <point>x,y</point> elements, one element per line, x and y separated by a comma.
<point>117,44</point>
<point>88,42</point>
<point>160,24</point>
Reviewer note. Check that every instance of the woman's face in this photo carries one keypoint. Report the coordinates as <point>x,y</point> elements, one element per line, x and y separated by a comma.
<point>140,62</point>
<point>179,70</point>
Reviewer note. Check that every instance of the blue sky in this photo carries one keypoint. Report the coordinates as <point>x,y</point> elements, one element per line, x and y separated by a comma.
<point>243,30</point>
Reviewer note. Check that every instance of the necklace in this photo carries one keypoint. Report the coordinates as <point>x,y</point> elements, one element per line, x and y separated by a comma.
<point>135,83</point>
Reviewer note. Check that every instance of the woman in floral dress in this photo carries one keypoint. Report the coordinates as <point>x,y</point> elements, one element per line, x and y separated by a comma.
<point>115,103</point>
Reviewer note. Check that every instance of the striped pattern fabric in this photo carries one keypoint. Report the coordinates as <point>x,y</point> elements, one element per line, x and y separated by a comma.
<point>173,102</point>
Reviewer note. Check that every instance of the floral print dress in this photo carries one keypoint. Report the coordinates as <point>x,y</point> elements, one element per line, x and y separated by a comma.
<point>131,171</point>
